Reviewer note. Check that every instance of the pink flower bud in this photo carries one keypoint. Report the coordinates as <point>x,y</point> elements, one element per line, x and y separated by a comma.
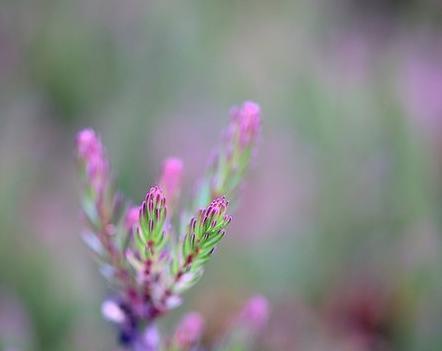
<point>216,212</point>
<point>212,216</point>
<point>88,143</point>
<point>218,206</point>
<point>246,123</point>
<point>91,152</point>
<point>153,211</point>
<point>155,199</point>
<point>189,330</point>
<point>171,179</point>
<point>132,217</point>
<point>256,312</point>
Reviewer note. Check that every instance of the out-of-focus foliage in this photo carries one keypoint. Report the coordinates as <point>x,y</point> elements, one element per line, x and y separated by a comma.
<point>339,225</point>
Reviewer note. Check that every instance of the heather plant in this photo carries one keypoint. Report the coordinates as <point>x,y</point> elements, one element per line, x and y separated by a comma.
<point>147,259</point>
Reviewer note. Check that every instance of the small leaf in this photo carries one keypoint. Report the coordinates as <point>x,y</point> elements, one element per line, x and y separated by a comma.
<point>187,245</point>
<point>140,244</point>
<point>175,265</point>
<point>173,301</point>
<point>90,211</point>
<point>185,281</point>
<point>215,239</point>
<point>93,243</point>
<point>107,271</point>
<point>134,261</point>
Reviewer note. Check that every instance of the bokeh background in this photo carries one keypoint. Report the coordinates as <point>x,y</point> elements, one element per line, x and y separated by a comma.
<point>340,222</point>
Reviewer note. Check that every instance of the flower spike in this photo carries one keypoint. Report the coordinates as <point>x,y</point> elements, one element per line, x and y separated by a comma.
<point>204,232</point>
<point>151,219</point>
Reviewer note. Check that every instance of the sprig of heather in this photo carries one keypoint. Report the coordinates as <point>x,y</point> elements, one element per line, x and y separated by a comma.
<point>150,236</point>
<point>152,264</point>
<point>150,256</point>
<point>204,232</point>
<point>232,158</point>
<point>102,208</point>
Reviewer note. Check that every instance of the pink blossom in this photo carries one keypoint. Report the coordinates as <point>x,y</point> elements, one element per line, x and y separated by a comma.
<point>88,143</point>
<point>246,121</point>
<point>171,179</point>
<point>132,216</point>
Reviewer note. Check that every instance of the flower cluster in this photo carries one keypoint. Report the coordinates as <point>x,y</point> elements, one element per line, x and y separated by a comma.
<point>140,253</point>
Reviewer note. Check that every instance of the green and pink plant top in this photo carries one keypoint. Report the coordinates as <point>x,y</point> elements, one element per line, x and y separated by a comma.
<point>96,166</point>
<point>149,262</point>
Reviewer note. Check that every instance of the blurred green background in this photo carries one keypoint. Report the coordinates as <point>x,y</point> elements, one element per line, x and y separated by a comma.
<point>340,222</point>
